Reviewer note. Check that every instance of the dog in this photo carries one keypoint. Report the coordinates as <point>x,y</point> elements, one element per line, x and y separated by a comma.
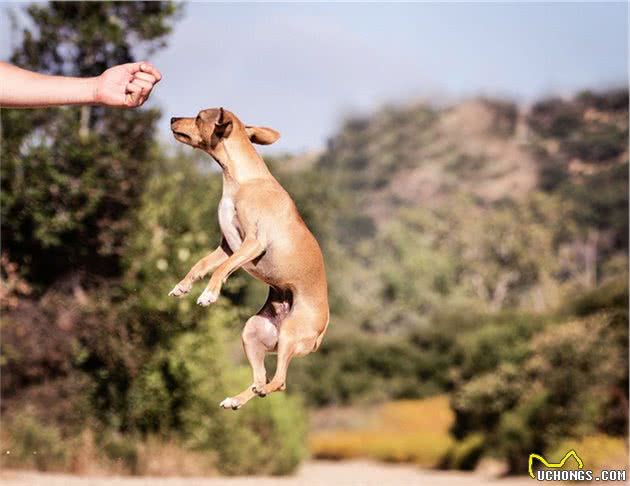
<point>263,233</point>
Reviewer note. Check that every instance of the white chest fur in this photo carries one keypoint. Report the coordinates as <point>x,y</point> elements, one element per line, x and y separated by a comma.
<point>229,223</point>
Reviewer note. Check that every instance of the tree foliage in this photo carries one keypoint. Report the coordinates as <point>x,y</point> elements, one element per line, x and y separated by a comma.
<point>100,224</point>
<point>66,192</point>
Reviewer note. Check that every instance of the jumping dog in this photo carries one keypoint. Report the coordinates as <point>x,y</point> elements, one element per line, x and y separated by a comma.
<point>263,233</point>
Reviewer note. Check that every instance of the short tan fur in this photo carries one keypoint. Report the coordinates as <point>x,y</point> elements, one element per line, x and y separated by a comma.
<point>263,233</point>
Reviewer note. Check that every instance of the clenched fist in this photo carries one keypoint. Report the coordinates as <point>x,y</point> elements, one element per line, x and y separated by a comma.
<point>127,85</point>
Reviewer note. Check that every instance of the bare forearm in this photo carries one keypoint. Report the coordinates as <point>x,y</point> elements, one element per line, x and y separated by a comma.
<point>123,86</point>
<point>22,88</point>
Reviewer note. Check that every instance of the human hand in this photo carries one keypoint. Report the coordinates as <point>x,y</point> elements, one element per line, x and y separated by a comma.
<point>127,85</point>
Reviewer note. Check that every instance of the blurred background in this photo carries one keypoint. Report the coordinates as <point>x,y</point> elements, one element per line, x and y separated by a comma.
<point>465,169</point>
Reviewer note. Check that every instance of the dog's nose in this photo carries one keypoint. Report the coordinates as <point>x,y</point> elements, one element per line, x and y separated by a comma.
<point>174,119</point>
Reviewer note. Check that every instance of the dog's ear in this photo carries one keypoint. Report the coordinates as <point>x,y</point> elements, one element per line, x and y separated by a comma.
<point>222,125</point>
<point>221,118</point>
<point>262,135</point>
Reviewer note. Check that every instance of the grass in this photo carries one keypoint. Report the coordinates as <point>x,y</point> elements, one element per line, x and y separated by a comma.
<point>28,443</point>
<point>413,431</point>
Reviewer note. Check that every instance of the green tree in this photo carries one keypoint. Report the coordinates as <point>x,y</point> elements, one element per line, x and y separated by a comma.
<point>161,365</point>
<point>70,175</point>
<point>568,380</point>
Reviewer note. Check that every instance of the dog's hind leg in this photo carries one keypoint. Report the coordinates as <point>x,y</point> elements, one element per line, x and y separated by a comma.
<point>286,352</point>
<point>239,400</point>
<point>259,336</point>
<point>299,334</point>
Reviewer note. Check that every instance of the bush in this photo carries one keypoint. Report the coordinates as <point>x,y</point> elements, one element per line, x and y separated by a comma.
<point>32,443</point>
<point>554,118</point>
<point>601,203</point>
<point>355,368</point>
<point>502,338</point>
<point>576,362</point>
<point>480,403</point>
<point>611,295</point>
<point>122,451</point>
<point>265,437</point>
<point>465,454</point>
<point>613,100</point>
<point>518,431</point>
<point>597,144</point>
<point>564,387</point>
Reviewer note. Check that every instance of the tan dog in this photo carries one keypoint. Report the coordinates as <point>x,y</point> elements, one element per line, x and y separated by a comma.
<point>264,234</point>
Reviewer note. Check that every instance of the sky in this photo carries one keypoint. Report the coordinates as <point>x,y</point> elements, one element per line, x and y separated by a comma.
<point>303,68</point>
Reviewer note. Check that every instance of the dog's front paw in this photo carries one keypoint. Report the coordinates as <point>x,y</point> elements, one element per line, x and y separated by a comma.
<point>259,390</point>
<point>182,288</point>
<point>207,297</point>
<point>229,402</point>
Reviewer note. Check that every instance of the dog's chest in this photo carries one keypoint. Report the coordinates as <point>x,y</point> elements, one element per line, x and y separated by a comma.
<point>229,223</point>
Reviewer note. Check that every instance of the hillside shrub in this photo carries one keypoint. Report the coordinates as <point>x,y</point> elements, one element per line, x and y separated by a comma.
<point>465,454</point>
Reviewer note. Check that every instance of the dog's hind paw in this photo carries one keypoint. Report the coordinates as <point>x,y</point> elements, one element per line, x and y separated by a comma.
<point>259,390</point>
<point>179,290</point>
<point>207,298</point>
<point>230,402</point>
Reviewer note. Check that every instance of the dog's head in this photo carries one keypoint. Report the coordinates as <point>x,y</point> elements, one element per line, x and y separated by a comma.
<point>213,126</point>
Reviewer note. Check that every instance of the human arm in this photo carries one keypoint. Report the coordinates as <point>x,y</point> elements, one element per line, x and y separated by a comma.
<point>125,85</point>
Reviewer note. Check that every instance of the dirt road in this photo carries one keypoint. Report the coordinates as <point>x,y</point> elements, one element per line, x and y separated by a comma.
<point>315,473</point>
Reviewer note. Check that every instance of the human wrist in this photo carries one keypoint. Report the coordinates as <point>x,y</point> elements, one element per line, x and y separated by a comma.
<point>78,91</point>
<point>93,91</point>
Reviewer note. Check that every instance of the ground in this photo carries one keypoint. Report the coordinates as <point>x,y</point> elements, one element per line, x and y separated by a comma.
<point>313,473</point>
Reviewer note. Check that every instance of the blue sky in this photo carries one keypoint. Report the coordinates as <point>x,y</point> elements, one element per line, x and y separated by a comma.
<point>303,68</point>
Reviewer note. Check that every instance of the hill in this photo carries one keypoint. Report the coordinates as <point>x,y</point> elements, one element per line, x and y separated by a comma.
<point>480,203</point>
<point>491,149</point>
